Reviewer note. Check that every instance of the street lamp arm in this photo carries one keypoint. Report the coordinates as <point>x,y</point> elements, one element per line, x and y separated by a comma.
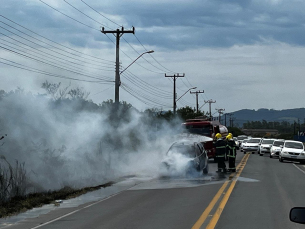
<point>151,51</point>
<point>186,92</point>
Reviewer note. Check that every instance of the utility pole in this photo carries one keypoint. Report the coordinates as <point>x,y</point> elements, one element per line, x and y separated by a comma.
<point>231,119</point>
<point>174,100</point>
<point>197,92</point>
<point>117,33</point>
<point>220,112</point>
<point>210,111</point>
<point>232,122</point>
<point>226,118</point>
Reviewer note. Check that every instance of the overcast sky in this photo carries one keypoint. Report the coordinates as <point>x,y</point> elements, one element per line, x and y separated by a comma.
<point>242,53</point>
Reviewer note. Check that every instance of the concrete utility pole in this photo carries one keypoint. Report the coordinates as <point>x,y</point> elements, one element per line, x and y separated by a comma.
<point>117,33</point>
<point>231,119</point>
<point>174,100</point>
<point>220,112</point>
<point>197,92</point>
<point>210,110</point>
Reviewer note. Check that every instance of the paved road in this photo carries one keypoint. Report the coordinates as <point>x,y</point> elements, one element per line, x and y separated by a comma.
<point>259,195</point>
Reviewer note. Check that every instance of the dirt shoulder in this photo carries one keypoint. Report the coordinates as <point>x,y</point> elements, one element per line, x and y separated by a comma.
<point>21,204</point>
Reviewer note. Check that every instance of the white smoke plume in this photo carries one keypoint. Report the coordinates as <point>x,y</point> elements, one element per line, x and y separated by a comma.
<point>74,142</point>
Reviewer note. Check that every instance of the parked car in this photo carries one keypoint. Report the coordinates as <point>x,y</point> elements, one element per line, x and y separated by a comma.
<point>292,151</point>
<point>276,147</point>
<point>191,150</point>
<point>242,144</point>
<point>236,142</point>
<point>265,146</point>
<point>240,138</point>
<point>252,145</point>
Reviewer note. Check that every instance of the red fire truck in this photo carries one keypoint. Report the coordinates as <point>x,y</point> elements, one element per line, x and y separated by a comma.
<point>204,126</point>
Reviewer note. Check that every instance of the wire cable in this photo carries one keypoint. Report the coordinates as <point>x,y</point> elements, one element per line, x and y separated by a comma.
<point>45,47</point>
<point>65,64</point>
<point>86,14</point>
<point>57,42</point>
<point>140,99</point>
<point>100,13</point>
<point>26,56</point>
<point>144,87</point>
<point>45,73</point>
<point>103,90</point>
<point>69,16</point>
<point>146,97</point>
<point>144,58</point>
<point>159,91</point>
<point>153,56</point>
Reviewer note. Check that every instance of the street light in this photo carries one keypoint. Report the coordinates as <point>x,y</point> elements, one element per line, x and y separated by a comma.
<point>186,92</point>
<point>150,51</point>
<point>181,97</point>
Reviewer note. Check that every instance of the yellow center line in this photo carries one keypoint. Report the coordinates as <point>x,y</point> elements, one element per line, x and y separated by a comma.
<point>207,211</point>
<point>225,199</point>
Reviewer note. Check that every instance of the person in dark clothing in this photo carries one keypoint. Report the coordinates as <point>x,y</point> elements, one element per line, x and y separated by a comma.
<point>220,146</point>
<point>231,152</point>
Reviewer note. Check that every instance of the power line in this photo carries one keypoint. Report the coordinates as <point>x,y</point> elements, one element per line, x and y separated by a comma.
<point>137,97</point>
<point>48,61</point>
<point>85,14</point>
<point>138,63</point>
<point>145,96</point>
<point>44,47</point>
<point>144,87</point>
<point>123,38</point>
<point>69,16</point>
<point>26,56</point>
<point>58,43</point>
<point>141,97</point>
<point>66,64</point>
<point>153,56</point>
<point>159,91</point>
<point>45,73</point>
<point>101,14</point>
<point>144,58</point>
<point>103,90</point>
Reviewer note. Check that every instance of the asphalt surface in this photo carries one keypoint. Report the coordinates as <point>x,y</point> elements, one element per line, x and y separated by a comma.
<point>259,195</point>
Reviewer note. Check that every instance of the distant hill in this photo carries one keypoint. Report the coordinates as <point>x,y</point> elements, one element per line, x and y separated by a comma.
<point>270,115</point>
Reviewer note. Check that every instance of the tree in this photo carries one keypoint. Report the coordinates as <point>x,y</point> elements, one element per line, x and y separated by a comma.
<point>188,113</point>
<point>51,88</point>
<point>78,93</point>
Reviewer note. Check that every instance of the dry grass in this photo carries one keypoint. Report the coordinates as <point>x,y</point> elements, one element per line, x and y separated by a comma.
<point>20,204</point>
<point>12,180</point>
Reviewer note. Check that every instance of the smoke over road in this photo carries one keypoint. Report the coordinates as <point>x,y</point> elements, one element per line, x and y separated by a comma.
<point>75,142</point>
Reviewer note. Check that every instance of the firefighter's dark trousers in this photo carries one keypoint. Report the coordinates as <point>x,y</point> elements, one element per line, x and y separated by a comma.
<point>221,163</point>
<point>232,164</point>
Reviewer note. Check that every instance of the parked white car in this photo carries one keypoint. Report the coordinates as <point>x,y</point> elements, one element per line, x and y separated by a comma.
<point>242,144</point>
<point>276,148</point>
<point>292,151</point>
<point>265,146</point>
<point>252,145</point>
<point>240,138</point>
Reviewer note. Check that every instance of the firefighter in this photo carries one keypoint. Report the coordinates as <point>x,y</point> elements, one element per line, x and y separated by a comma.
<point>231,151</point>
<point>220,146</point>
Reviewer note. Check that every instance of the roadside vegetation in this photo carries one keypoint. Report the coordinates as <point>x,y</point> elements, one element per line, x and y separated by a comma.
<point>23,203</point>
<point>60,144</point>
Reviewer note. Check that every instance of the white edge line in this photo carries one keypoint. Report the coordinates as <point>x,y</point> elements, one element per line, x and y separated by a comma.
<point>71,213</point>
<point>299,168</point>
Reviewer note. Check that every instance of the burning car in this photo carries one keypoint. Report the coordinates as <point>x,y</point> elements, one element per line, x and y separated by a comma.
<point>186,156</point>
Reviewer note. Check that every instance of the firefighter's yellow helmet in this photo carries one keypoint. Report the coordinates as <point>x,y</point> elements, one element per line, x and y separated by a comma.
<point>218,135</point>
<point>229,136</point>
